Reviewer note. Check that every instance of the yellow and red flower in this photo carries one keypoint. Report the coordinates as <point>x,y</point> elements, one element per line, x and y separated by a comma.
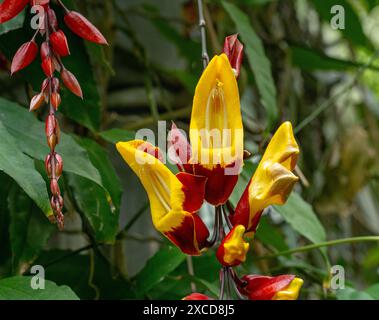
<point>283,287</point>
<point>216,131</point>
<point>174,199</point>
<point>273,180</point>
<point>233,249</point>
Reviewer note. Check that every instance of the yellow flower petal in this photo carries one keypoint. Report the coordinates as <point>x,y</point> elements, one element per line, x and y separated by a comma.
<point>291,292</point>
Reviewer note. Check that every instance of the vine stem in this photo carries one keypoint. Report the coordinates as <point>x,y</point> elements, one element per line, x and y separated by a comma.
<point>202,26</point>
<point>320,245</point>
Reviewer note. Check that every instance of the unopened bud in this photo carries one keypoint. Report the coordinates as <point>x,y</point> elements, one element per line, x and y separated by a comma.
<point>54,187</point>
<point>56,100</point>
<point>71,83</point>
<point>36,102</point>
<point>48,66</point>
<point>58,165</point>
<point>59,42</point>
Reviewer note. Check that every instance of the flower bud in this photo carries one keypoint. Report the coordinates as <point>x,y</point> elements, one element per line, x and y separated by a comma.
<point>24,56</point>
<point>233,48</point>
<point>48,166</point>
<point>71,83</point>
<point>52,131</point>
<point>59,43</point>
<point>54,187</point>
<point>48,66</point>
<point>83,28</point>
<point>55,85</point>
<point>233,249</point>
<point>56,100</point>
<point>52,19</point>
<point>45,50</point>
<point>36,102</point>
<point>58,165</point>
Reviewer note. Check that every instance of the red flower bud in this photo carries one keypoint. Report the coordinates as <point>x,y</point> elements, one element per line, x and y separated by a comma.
<point>48,166</point>
<point>11,8</point>
<point>83,28</point>
<point>40,2</point>
<point>48,67</point>
<point>24,56</point>
<point>55,100</point>
<point>71,83</point>
<point>52,19</point>
<point>36,102</point>
<point>197,296</point>
<point>233,48</point>
<point>58,165</point>
<point>45,50</point>
<point>52,131</point>
<point>55,86</point>
<point>54,187</point>
<point>59,42</point>
<point>45,85</point>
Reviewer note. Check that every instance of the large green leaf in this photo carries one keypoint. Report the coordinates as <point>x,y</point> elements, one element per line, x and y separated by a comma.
<point>300,215</point>
<point>21,168</point>
<point>116,135</point>
<point>310,60</point>
<point>353,28</point>
<point>109,177</point>
<point>161,264</point>
<point>28,230</point>
<point>30,135</point>
<point>270,236</point>
<point>94,204</point>
<point>258,61</point>
<point>19,288</point>
<point>75,271</point>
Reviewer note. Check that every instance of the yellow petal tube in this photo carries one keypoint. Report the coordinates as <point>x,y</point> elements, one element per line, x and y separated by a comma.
<point>168,196</point>
<point>216,130</point>
<point>273,180</point>
<point>291,292</point>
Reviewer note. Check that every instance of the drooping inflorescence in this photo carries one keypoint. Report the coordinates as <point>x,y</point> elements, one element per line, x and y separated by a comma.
<point>53,47</point>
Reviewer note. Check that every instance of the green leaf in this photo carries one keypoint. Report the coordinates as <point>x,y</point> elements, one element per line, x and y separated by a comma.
<point>30,135</point>
<point>109,177</point>
<point>259,64</point>
<point>115,135</point>
<point>96,207</point>
<point>373,291</point>
<point>15,23</point>
<point>300,215</point>
<point>75,271</point>
<point>270,236</point>
<point>310,60</point>
<point>21,168</point>
<point>28,230</point>
<point>19,288</point>
<point>352,294</point>
<point>157,267</point>
<point>353,28</point>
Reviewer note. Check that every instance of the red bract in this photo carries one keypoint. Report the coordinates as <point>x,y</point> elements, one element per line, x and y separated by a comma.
<point>83,28</point>
<point>59,42</point>
<point>56,100</point>
<point>53,21</point>
<point>233,48</point>
<point>11,8</point>
<point>48,66</point>
<point>45,50</point>
<point>71,83</point>
<point>24,56</point>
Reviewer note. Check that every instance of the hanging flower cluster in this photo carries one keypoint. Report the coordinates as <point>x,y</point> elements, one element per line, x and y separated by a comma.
<point>53,48</point>
<point>209,167</point>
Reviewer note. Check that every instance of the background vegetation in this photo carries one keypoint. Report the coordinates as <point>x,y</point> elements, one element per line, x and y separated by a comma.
<point>296,68</point>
